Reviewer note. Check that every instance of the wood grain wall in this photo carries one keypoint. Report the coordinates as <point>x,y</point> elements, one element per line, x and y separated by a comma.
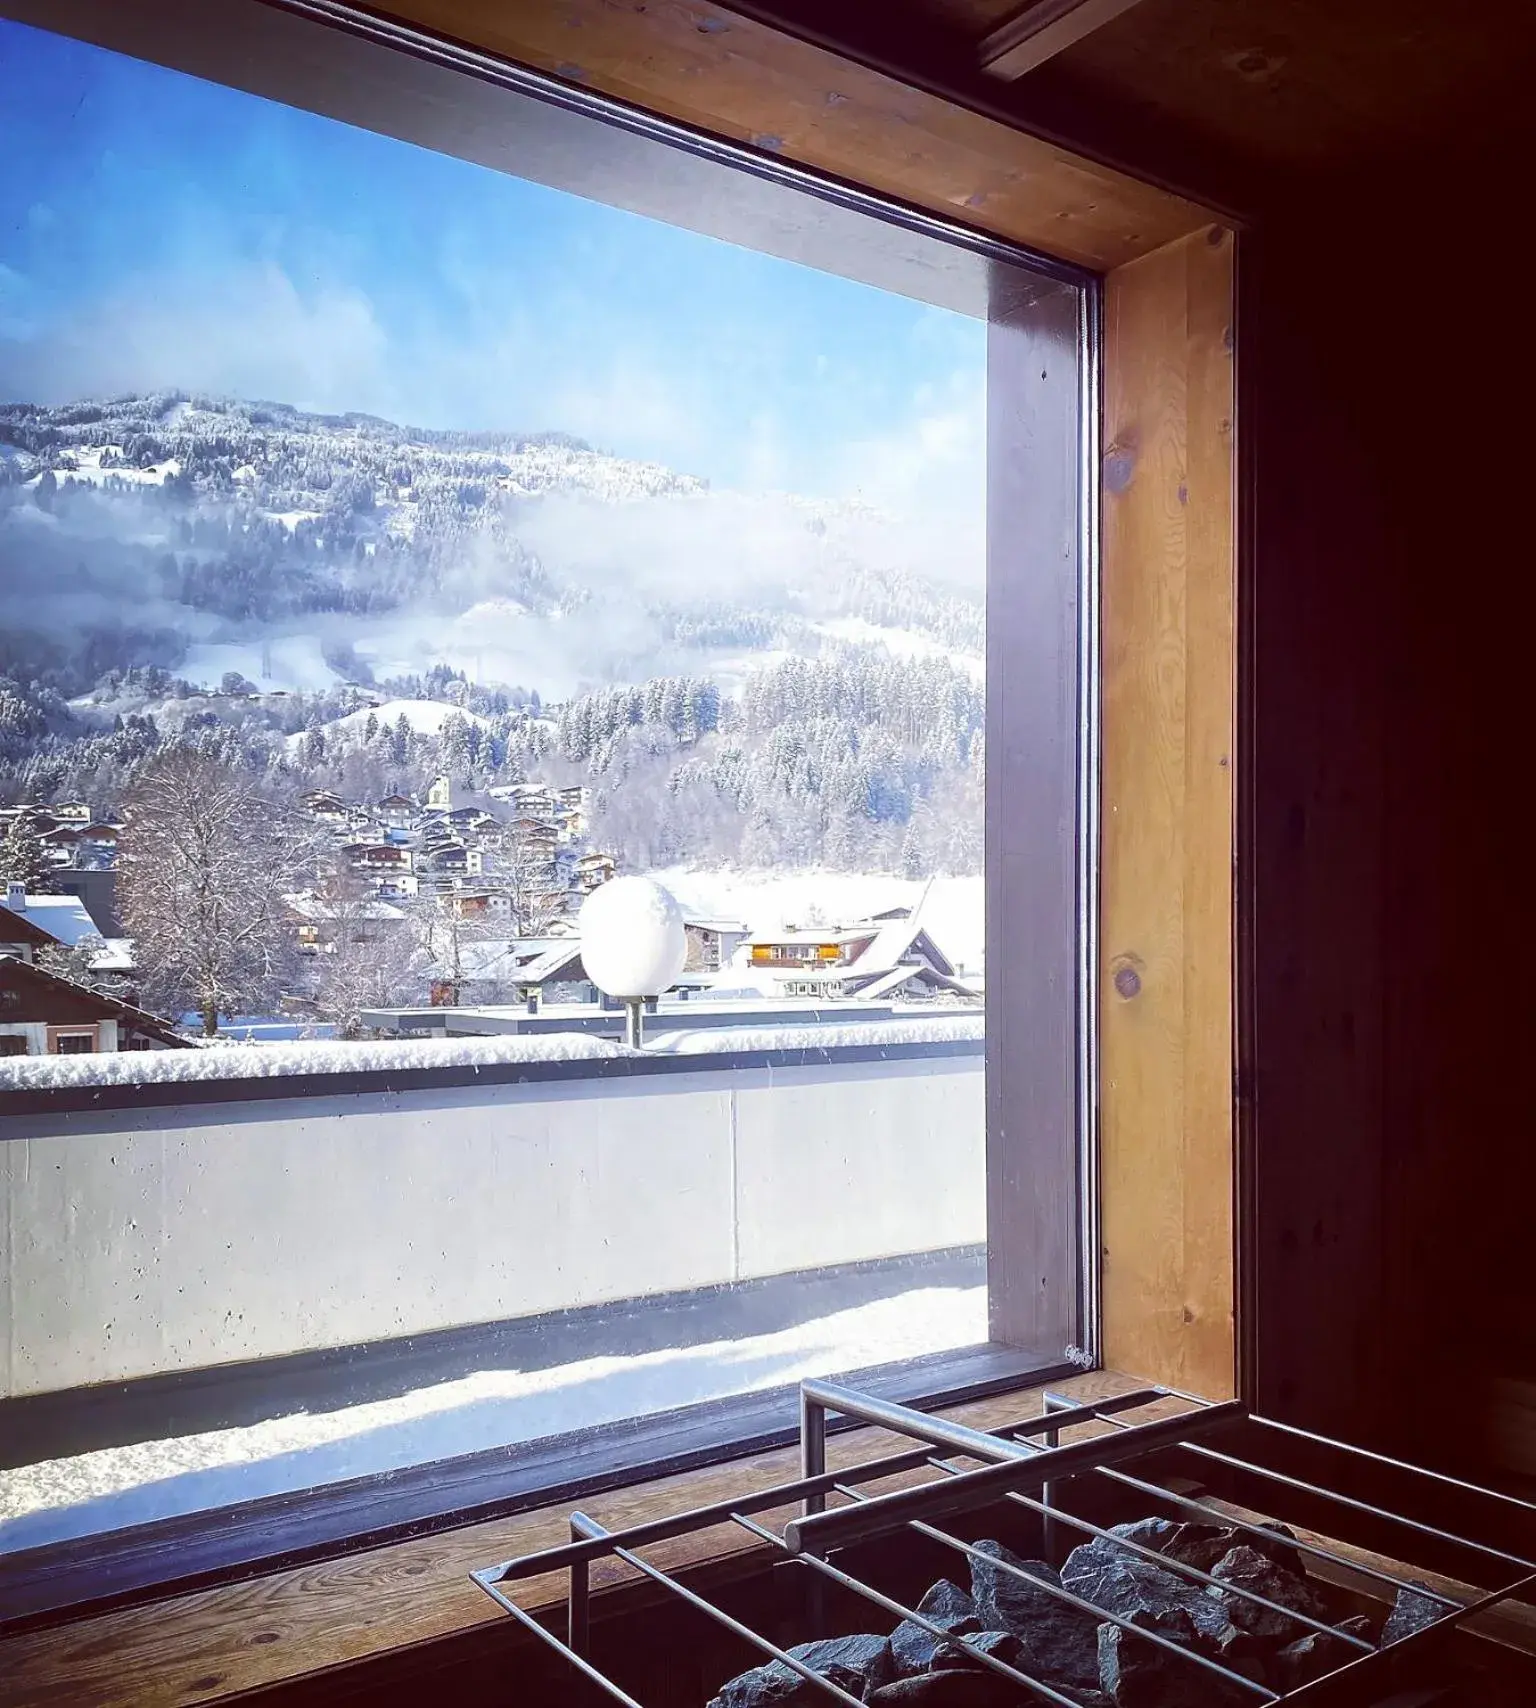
<point>739,79</point>
<point>1166,1069</point>
<point>1390,902</point>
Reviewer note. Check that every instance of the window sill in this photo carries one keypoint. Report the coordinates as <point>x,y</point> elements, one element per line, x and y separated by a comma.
<point>67,1580</point>
<point>296,1620</point>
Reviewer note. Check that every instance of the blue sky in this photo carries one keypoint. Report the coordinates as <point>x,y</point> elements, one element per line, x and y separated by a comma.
<point>158,231</point>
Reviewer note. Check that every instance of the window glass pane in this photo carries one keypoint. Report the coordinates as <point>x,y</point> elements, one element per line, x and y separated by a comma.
<point>408,542</point>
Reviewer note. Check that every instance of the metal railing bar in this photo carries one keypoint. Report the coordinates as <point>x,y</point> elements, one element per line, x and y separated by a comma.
<point>578,1603</point>
<point>1094,1411</point>
<point>567,1554</point>
<point>1355,1505</point>
<point>1180,1568</point>
<point>848,1524</point>
<point>1228,1521</point>
<point>813,1447</point>
<point>1236,1464</point>
<point>1425,1635</point>
<point>1101,1614</point>
<point>943,1431</point>
<point>485,1578</point>
<point>1164,1392</point>
<point>1455,1483</point>
<point>783,1494</point>
<point>1038,1686</point>
<point>721,1617</point>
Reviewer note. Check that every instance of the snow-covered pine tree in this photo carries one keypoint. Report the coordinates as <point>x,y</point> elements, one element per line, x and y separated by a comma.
<point>24,857</point>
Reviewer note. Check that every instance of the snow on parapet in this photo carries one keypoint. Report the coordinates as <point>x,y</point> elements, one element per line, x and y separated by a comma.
<point>866,1034</point>
<point>279,1061</point>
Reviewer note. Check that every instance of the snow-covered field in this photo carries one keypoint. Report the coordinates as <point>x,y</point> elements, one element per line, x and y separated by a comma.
<point>287,663</point>
<point>89,472</point>
<point>902,643</point>
<point>117,1486</point>
<point>425,717</point>
<point>767,901</point>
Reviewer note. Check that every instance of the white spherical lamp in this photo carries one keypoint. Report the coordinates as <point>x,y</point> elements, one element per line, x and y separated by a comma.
<point>632,941</point>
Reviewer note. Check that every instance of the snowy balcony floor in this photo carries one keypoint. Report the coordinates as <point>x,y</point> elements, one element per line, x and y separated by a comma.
<point>60,1499</point>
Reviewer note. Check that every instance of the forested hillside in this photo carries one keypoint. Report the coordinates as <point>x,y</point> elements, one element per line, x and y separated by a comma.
<point>807,699</point>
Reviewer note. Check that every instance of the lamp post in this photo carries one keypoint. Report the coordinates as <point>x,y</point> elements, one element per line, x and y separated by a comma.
<point>633,945</point>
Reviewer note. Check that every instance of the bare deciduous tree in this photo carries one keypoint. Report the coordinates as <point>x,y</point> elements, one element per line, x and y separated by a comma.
<point>526,869</point>
<point>206,858</point>
<point>446,932</point>
<point>77,962</point>
<point>370,953</point>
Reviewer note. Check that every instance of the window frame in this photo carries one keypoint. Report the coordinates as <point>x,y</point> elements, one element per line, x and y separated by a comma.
<point>448,17</point>
<point>88,1030</point>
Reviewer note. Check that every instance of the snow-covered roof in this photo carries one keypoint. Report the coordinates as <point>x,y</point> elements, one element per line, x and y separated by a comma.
<point>896,937</point>
<point>549,966</point>
<point>895,943</point>
<point>23,973</point>
<point>64,917</point>
<point>310,906</point>
<point>116,955</point>
<point>889,983</point>
<point>494,958</point>
<point>17,928</point>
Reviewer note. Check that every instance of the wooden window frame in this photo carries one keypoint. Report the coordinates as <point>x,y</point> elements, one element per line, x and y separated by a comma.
<point>1165,643</point>
<point>79,1029</point>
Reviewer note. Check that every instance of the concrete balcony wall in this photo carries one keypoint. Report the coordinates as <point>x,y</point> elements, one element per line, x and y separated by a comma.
<point>142,1241</point>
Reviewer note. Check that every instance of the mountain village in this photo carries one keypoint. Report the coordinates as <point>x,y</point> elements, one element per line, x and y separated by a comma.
<point>477,901</point>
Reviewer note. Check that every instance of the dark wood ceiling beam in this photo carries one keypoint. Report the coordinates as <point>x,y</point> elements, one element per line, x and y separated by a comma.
<point>1042,29</point>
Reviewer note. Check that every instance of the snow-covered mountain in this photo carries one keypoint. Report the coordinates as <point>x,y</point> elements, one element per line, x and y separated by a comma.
<point>209,536</point>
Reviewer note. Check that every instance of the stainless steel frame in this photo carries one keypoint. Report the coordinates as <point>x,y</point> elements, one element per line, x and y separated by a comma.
<point>1008,1465</point>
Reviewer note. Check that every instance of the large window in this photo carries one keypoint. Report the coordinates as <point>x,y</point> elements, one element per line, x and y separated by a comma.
<point>427,499</point>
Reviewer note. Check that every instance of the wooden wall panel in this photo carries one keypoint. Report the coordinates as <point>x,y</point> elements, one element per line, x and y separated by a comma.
<point>1166,905</point>
<point>742,80</point>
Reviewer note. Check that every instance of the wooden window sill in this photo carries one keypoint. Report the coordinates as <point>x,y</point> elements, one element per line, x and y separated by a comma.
<point>269,1630</point>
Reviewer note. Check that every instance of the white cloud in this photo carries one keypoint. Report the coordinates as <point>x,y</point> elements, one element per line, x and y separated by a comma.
<point>249,331</point>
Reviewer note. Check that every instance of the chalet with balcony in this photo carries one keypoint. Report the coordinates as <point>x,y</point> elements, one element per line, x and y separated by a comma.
<point>594,870</point>
<point>892,957</point>
<point>42,1014</point>
<point>317,925</point>
<point>326,806</point>
<point>488,903</point>
<point>397,812</point>
<point>450,859</point>
<point>378,857</point>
